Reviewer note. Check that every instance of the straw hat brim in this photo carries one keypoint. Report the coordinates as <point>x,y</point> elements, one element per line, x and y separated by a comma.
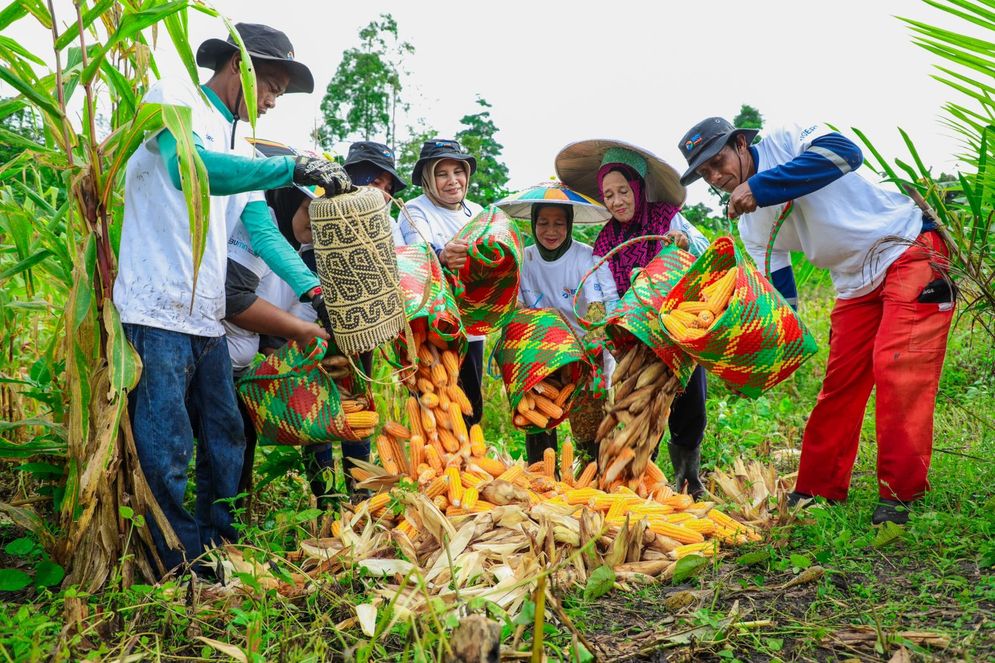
<point>578,163</point>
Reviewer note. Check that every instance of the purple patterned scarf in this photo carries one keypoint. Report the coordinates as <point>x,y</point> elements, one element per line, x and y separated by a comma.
<point>649,219</point>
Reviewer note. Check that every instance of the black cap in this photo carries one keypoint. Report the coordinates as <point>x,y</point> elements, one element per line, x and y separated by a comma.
<point>377,154</point>
<point>263,43</point>
<point>440,148</point>
<point>705,140</point>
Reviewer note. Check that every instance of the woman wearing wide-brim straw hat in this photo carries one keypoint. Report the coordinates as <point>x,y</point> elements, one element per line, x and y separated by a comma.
<point>551,270</point>
<point>644,195</point>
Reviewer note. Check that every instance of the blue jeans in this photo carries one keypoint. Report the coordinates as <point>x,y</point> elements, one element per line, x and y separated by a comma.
<point>186,384</point>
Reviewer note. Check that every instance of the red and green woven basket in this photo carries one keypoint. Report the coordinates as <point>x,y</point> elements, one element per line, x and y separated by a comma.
<point>636,317</point>
<point>292,400</point>
<point>758,340</point>
<point>427,295</point>
<point>535,344</point>
<point>486,287</point>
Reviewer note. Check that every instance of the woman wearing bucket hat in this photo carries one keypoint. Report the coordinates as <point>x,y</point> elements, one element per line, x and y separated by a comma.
<point>795,190</point>
<point>644,196</point>
<point>551,269</point>
<point>443,171</point>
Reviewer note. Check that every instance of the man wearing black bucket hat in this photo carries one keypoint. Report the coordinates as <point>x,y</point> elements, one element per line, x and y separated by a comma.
<point>795,190</point>
<point>176,330</point>
<point>372,164</point>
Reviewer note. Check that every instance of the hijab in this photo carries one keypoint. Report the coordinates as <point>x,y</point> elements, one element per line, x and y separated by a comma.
<point>560,251</point>
<point>649,219</point>
<point>432,191</point>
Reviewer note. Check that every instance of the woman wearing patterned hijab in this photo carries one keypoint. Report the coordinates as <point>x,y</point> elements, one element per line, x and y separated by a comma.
<point>644,197</point>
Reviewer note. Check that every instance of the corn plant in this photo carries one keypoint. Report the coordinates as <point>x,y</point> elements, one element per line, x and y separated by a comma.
<point>965,206</point>
<point>61,247</point>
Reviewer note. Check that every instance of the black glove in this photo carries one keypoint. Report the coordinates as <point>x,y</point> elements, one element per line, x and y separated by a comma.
<point>318,304</point>
<point>329,175</point>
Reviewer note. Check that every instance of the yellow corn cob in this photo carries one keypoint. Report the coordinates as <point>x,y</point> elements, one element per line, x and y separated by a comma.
<point>428,421</point>
<point>442,419</point>
<point>511,473</point>
<point>675,532</point>
<point>441,502</point>
<point>543,388</point>
<point>625,490</point>
<point>397,454</point>
<point>396,430</point>
<point>581,495</point>
<point>537,468</point>
<point>565,394</point>
<point>650,509</point>
<point>535,418</point>
<point>692,306</point>
<point>549,462</point>
<point>705,549</point>
<point>364,419</point>
<point>453,511</point>
<point>477,445</point>
<point>587,475</point>
<point>391,467</point>
<point>548,407</point>
<point>414,416</point>
<point>459,425</point>
<point>481,505</point>
<point>336,528</point>
<point>350,405</point>
<point>654,472</point>
<point>705,526</point>
<point>618,509</point>
<point>359,474</point>
<point>705,319</point>
<point>470,496</point>
<point>406,528</point>
<point>679,501</point>
<point>683,317</point>
<point>678,517</point>
<point>469,480</point>
<point>455,485</point>
<point>492,466</point>
<point>429,400</point>
<point>567,462</point>
<point>730,536</point>
<point>384,450</point>
<point>416,451</point>
<point>440,378</point>
<point>433,458</point>
<point>444,400</point>
<point>677,329</point>
<point>378,503</point>
<point>520,421</point>
<point>425,355</point>
<point>729,522</point>
<point>451,363</point>
<point>425,386</point>
<point>448,440</point>
<point>458,395</point>
<point>437,487</point>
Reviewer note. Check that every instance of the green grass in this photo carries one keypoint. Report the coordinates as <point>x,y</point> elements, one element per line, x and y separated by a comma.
<point>935,575</point>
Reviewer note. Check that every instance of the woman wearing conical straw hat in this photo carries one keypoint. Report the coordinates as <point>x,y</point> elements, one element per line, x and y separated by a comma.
<point>644,196</point>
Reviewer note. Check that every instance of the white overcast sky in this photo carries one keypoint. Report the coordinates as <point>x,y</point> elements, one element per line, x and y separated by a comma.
<point>557,72</point>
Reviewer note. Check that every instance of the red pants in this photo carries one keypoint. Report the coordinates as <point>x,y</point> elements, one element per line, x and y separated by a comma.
<point>889,340</point>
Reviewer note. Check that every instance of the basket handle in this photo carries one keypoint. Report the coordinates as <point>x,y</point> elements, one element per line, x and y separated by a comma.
<point>587,324</point>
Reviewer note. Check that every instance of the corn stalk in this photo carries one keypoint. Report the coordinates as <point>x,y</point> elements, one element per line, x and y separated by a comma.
<point>102,58</point>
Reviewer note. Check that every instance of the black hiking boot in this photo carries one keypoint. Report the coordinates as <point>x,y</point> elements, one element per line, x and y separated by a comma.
<point>890,511</point>
<point>687,469</point>
<point>795,498</point>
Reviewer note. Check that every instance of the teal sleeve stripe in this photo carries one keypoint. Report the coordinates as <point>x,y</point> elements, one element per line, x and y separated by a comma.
<point>230,173</point>
<point>273,248</point>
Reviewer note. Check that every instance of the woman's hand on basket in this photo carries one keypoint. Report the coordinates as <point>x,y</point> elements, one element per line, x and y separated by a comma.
<point>677,238</point>
<point>454,255</point>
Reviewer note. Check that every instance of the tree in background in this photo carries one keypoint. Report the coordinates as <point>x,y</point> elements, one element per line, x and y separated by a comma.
<point>363,98</point>
<point>749,118</point>
<point>477,138</point>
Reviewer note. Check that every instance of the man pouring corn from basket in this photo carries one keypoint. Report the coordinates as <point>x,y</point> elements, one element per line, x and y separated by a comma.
<point>797,190</point>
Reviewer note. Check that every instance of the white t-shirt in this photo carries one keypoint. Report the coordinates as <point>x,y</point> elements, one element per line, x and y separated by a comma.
<point>155,273</point>
<point>435,224</point>
<point>553,284</point>
<point>242,344</point>
<point>839,227</point>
